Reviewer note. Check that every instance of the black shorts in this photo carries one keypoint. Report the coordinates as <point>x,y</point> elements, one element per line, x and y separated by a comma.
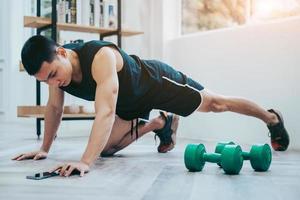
<point>157,86</point>
<point>177,93</point>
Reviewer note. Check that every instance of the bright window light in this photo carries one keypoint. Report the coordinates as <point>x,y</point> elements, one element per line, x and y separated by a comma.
<point>202,15</point>
<point>270,9</point>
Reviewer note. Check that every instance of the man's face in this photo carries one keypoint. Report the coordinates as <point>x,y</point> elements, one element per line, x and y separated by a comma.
<point>57,73</point>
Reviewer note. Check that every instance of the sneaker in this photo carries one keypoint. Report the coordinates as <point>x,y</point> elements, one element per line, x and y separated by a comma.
<point>167,135</point>
<point>279,136</point>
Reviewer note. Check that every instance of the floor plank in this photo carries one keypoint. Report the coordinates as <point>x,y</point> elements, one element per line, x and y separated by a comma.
<point>137,172</point>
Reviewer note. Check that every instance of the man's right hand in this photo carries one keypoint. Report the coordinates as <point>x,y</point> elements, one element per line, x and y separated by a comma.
<point>36,155</point>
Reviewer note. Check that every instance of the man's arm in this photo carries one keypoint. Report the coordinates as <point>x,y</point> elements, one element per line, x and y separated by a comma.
<point>105,74</point>
<point>53,114</point>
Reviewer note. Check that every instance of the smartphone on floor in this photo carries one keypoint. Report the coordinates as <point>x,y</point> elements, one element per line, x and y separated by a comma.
<point>43,175</point>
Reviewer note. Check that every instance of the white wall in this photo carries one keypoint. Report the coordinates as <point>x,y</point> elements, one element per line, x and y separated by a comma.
<point>3,61</point>
<point>259,62</point>
<point>12,43</point>
<point>165,24</point>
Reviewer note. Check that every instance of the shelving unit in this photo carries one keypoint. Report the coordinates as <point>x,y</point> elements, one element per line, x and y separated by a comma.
<point>42,24</point>
<point>38,22</point>
<point>38,112</point>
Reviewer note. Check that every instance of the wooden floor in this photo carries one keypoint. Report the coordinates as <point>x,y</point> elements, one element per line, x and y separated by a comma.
<point>137,172</point>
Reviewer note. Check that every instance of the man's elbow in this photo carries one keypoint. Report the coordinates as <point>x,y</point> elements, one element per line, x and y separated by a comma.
<point>107,112</point>
<point>111,112</point>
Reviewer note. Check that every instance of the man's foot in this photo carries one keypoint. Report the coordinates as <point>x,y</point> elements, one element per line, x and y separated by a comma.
<point>167,135</point>
<point>279,136</point>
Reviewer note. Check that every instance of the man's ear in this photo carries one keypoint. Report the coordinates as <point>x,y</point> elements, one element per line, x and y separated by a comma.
<point>61,51</point>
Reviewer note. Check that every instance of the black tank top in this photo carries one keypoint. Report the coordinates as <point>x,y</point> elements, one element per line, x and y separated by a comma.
<point>138,82</point>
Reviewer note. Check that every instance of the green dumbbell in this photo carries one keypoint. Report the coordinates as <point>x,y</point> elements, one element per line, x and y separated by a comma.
<point>260,156</point>
<point>231,158</point>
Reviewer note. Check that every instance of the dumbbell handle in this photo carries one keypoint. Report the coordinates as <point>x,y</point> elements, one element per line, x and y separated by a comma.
<point>246,155</point>
<point>212,157</point>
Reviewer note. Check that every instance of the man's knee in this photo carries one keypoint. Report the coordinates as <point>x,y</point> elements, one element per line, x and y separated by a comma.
<point>108,152</point>
<point>218,105</point>
<point>213,103</point>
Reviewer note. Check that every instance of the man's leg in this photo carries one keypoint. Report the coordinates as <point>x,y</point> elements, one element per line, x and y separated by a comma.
<point>212,102</point>
<point>121,134</point>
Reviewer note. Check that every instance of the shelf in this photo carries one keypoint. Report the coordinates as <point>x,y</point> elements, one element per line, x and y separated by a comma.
<point>38,22</point>
<point>38,112</point>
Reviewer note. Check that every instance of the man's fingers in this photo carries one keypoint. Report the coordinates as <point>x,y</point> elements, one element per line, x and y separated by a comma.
<point>16,157</point>
<point>31,155</point>
<point>36,157</point>
<point>81,173</point>
<point>56,168</point>
<point>63,169</point>
<point>69,171</point>
<point>22,157</point>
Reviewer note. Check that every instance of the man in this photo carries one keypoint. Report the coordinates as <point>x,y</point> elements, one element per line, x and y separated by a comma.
<point>124,88</point>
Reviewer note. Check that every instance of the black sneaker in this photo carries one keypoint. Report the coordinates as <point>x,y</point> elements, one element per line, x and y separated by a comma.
<point>167,135</point>
<point>279,136</point>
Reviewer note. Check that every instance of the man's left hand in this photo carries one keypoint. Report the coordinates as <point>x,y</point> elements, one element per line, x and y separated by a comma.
<point>68,168</point>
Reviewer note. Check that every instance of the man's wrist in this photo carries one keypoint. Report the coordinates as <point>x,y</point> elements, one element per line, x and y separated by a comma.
<point>44,149</point>
<point>85,161</point>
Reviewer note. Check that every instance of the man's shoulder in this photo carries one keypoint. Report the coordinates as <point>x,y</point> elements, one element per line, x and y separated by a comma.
<point>98,43</point>
<point>72,45</point>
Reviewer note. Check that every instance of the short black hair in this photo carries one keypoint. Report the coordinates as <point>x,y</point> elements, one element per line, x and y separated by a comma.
<point>35,51</point>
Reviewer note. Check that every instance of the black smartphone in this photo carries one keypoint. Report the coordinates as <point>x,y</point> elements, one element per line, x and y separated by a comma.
<point>43,175</point>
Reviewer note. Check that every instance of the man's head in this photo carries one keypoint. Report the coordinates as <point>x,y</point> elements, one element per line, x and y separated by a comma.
<point>48,62</point>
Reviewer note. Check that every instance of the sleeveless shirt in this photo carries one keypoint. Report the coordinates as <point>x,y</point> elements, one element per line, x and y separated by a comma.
<point>138,82</point>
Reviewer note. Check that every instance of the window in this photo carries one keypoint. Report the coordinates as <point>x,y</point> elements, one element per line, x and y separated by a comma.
<point>202,15</point>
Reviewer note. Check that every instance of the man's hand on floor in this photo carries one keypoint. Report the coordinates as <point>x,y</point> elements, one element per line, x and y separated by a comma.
<point>36,155</point>
<point>75,167</point>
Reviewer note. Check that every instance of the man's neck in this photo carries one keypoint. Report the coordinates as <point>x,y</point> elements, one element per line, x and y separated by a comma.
<point>76,70</point>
